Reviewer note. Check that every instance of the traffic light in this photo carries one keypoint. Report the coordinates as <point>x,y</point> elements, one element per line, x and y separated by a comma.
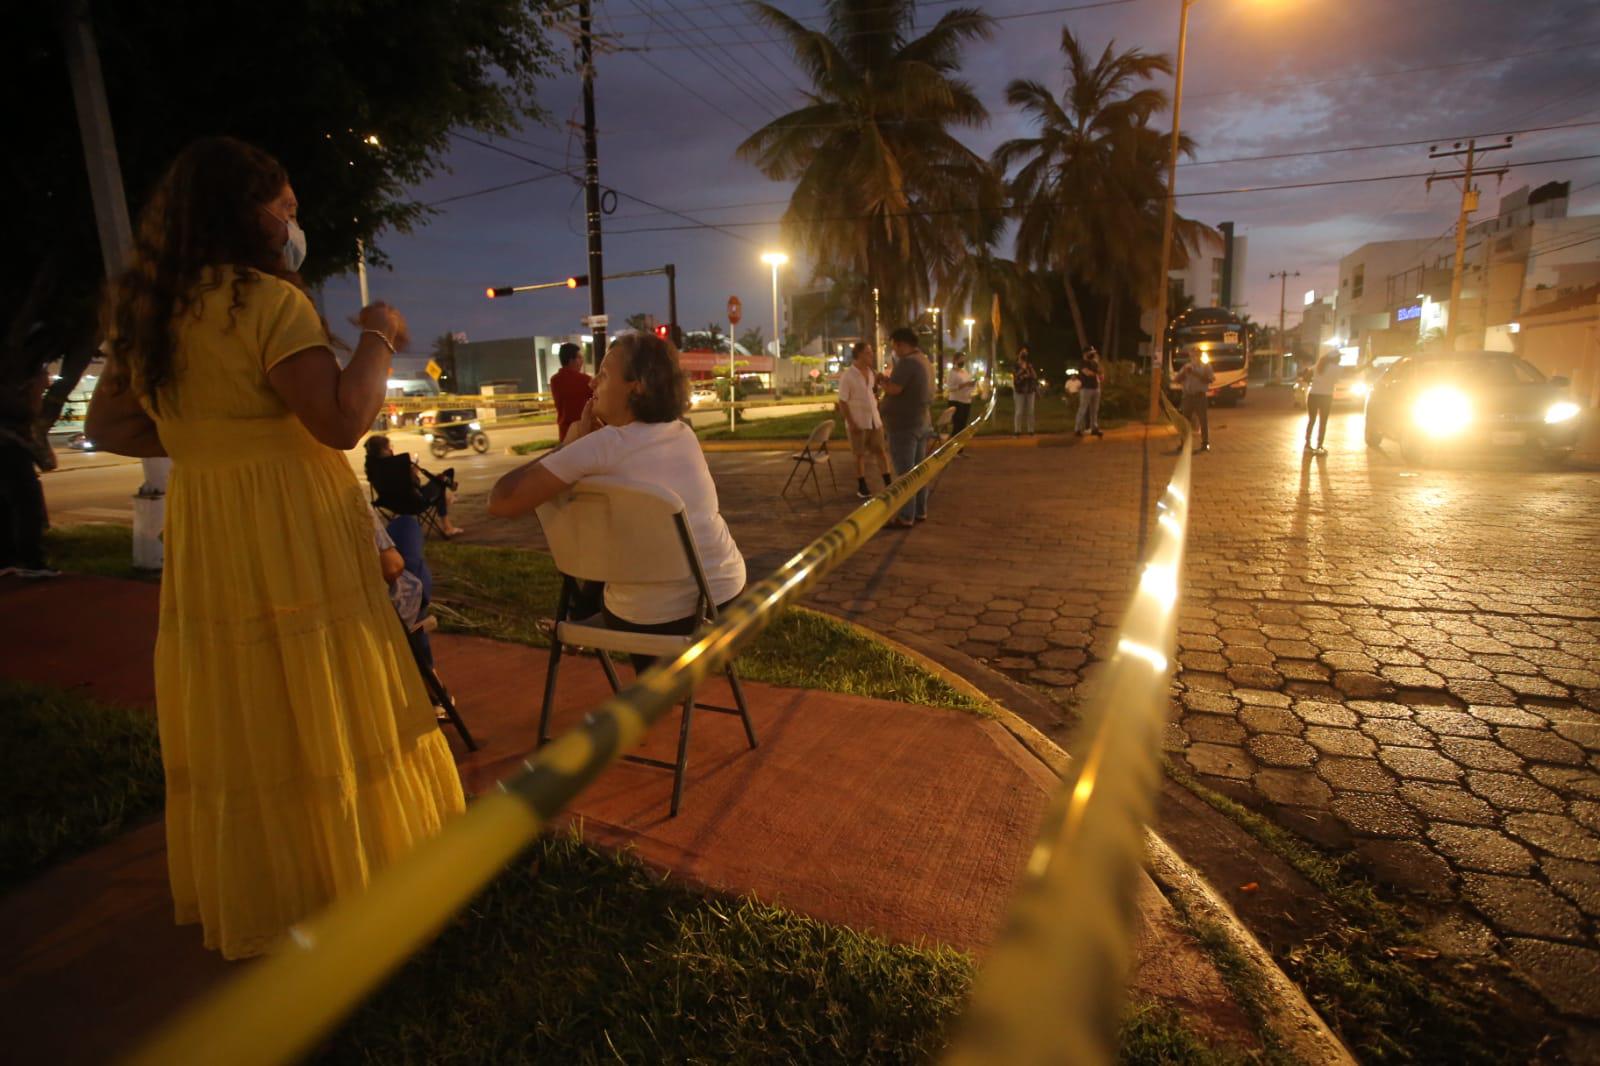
<point>493,292</point>
<point>664,332</point>
<point>578,282</point>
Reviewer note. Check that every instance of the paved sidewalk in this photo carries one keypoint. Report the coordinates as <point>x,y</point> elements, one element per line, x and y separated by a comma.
<point>909,822</point>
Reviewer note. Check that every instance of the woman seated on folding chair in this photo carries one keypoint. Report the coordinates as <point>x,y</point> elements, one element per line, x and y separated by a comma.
<point>434,491</point>
<point>631,428</point>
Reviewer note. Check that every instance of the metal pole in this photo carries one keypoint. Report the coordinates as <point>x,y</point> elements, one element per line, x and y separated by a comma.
<point>1283,289</point>
<point>733,388</point>
<point>672,302</point>
<point>938,327</point>
<point>777,326</point>
<point>591,181</point>
<point>877,326</point>
<point>116,236</point>
<point>1158,334</point>
<point>1467,204</point>
<point>361,270</point>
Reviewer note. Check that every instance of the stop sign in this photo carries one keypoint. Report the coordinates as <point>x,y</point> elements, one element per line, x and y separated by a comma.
<point>735,310</point>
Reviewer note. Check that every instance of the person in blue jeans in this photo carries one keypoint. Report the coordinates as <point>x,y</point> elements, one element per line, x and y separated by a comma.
<point>1089,394</point>
<point>908,391</point>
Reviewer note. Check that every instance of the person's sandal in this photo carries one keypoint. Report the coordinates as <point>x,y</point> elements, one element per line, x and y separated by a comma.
<point>899,523</point>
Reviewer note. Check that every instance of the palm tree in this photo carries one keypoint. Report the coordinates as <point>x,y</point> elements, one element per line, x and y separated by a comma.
<point>884,192</point>
<point>1088,188</point>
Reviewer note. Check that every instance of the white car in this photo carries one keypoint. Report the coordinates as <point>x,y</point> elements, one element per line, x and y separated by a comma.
<point>702,397</point>
<point>1351,390</point>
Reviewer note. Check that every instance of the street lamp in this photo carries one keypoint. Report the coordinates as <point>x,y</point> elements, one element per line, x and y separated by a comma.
<point>775,260</point>
<point>1158,355</point>
<point>969,323</point>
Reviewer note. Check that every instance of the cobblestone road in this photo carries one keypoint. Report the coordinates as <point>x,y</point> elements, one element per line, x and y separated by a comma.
<point>1403,662</point>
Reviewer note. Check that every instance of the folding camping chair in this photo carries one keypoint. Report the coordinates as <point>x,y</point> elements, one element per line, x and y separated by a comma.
<point>615,530</point>
<point>814,452</point>
<point>406,535</point>
<point>435,684</point>
<point>394,492</point>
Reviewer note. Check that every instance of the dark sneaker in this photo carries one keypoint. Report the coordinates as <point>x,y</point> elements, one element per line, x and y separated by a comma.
<point>862,491</point>
<point>36,574</point>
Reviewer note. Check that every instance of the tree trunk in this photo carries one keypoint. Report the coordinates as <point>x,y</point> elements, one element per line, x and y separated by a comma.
<point>1105,336</point>
<point>1077,312</point>
<point>1115,331</point>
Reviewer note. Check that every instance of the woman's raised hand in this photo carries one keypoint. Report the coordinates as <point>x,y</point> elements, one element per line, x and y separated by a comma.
<point>387,321</point>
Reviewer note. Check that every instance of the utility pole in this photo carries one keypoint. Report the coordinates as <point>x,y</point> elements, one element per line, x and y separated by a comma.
<point>1469,204</point>
<point>1283,277</point>
<point>1158,333</point>
<point>116,236</point>
<point>591,182</point>
<point>671,272</point>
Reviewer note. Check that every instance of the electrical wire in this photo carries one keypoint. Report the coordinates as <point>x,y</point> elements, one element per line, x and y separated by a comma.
<point>1176,196</point>
<point>716,68</point>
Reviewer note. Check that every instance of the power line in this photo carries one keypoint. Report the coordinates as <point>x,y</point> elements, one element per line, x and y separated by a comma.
<point>717,68</point>
<point>1176,196</point>
<point>698,223</point>
<point>1252,159</point>
<point>783,68</point>
<point>497,188</point>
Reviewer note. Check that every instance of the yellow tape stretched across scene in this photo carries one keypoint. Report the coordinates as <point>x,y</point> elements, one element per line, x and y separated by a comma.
<point>1051,990</point>
<point>282,1005</point>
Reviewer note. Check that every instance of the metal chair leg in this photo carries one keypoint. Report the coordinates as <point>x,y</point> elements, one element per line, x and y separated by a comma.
<point>549,691</point>
<point>610,669</point>
<point>683,754</point>
<point>831,475</point>
<point>792,471</point>
<point>441,696</point>
<point>738,701</point>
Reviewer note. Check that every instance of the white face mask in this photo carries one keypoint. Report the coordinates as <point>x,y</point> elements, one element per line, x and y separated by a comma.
<point>294,248</point>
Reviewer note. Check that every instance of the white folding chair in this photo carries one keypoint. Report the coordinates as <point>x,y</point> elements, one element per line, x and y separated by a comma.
<point>814,452</point>
<point>615,530</point>
<point>942,424</point>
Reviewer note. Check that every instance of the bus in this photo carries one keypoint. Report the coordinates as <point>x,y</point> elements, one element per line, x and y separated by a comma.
<point>1218,338</point>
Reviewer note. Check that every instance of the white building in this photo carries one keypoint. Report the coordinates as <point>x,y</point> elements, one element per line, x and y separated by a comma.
<point>1200,283</point>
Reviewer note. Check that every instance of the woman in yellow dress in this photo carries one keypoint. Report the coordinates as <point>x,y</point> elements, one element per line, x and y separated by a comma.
<point>300,747</point>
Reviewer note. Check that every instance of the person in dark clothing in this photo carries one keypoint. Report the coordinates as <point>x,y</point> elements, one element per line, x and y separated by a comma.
<point>1196,377</point>
<point>22,513</point>
<point>1024,393</point>
<point>907,393</point>
<point>1089,394</point>
<point>435,490</point>
<point>571,388</point>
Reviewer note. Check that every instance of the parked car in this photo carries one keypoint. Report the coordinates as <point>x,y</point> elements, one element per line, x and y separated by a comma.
<point>1471,401</point>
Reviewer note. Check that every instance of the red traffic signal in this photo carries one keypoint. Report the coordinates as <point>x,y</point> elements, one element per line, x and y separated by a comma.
<point>578,282</point>
<point>504,291</point>
<point>664,332</point>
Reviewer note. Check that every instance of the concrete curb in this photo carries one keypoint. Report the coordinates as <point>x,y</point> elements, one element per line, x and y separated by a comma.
<point>1043,440</point>
<point>1293,1022</point>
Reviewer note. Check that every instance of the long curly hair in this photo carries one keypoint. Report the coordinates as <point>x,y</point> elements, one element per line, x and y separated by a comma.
<point>205,215</point>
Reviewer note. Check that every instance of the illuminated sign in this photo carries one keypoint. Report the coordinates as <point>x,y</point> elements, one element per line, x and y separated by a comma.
<point>1311,297</point>
<point>1406,314</point>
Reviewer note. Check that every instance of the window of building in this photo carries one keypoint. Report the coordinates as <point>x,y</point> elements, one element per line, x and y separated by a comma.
<point>1358,282</point>
<point>1216,280</point>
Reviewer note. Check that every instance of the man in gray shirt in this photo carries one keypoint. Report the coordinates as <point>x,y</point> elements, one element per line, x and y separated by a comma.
<point>907,393</point>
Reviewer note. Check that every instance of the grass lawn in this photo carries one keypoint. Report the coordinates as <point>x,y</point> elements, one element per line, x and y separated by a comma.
<point>1052,414</point>
<point>501,592</point>
<point>81,773</point>
<point>533,447</point>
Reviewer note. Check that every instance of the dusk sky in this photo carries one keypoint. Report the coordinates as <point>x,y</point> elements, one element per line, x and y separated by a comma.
<point>1265,77</point>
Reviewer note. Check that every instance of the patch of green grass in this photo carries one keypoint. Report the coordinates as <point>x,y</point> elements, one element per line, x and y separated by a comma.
<point>574,955</point>
<point>1052,414</point>
<point>1387,996</point>
<point>534,447</point>
<point>1153,1032</point>
<point>100,549</point>
<point>80,774</point>
<point>781,427</point>
<point>502,592</point>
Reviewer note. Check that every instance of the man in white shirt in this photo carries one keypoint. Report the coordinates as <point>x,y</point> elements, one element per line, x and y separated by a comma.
<point>958,389</point>
<point>858,403</point>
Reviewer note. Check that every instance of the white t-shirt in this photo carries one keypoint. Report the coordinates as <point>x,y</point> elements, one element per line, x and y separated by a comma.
<point>959,385</point>
<point>1326,377</point>
<point>855,393</point>
<point>666,454</point>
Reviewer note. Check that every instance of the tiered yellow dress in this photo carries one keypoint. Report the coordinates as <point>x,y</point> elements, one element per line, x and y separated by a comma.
<point>301,750</point>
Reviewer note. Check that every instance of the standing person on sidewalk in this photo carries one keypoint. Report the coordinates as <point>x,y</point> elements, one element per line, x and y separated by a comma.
<point>301,752</point>
<point>1089,381</point>
<point>1319,400</point>
<point>1024,393</point>
<point>858,403</point>
<point>907,394</point>
<point>1196,378</point>
<point>22,516</point>
<point>959,388</point>
<point>570,387</point>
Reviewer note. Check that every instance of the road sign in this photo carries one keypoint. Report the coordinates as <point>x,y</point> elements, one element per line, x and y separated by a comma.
<point>434,369</point>
<point>597,321</point>
<point>735,310</point>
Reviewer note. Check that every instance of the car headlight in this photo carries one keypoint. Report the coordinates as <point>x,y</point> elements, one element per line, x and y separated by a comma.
<point>1360,388</point>
<point>1561,411</point>
<point>1442,412</point>
<point>428,437</point>
<point>475,426</point>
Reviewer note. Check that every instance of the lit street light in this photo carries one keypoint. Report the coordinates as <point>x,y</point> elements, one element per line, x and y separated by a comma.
<point>969,323</point>
<point>775,260</point>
